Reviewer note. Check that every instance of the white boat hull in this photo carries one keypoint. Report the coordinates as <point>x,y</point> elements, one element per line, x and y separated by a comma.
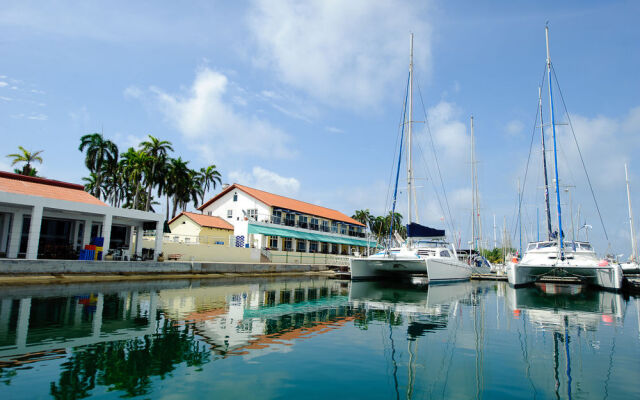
<point>436,269</point>
<point>609,276</point>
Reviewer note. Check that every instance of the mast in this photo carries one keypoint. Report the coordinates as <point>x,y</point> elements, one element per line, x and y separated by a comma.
<point>409,166</point>
<point>520,217</point>
<point>555,149</point>
<point>495,238</point>
<point>634,251</point>
<point>473,193</point>
<point>547,208</point>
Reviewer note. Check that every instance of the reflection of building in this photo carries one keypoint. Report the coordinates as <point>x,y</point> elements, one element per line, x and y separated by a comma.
<point>41,324</point>
<point>43,218</point>
<point>268,221</point>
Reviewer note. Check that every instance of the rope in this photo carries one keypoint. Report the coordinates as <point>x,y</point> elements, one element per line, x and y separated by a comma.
<point>580,153</point>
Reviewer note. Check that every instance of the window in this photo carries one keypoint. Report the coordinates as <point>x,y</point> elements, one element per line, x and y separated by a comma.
<point>302,245</point>
<point>288,244</point>
<point>314,224</point>
<point>252,214</point>
<point>325,247</point>
<point>276,217</point>
<point>302,221</point>
<point>334,227</point>
<point>290,220</point>
<point>343,229</point>
<point>325,226</point>
<point>313,246</point>
<point>273,242</point>
<point>444,253</point>
<point>235,196</point>
<point>208,212</point>
<point>229,213</point>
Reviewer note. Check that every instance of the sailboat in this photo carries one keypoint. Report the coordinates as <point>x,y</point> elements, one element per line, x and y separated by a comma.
<point>632,265</point>
<point>555,256</point>
<point>425,251</point>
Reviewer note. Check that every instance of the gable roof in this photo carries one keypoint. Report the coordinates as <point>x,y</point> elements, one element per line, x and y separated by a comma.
<point>206,221</point>
<point>274,200</point>
<point>41,187</point>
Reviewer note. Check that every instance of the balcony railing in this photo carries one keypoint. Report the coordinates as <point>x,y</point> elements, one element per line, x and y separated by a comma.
<point>284,221</point>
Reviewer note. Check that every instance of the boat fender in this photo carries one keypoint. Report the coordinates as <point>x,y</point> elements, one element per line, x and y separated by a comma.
<point>514,260</point>
<point>603,263</point>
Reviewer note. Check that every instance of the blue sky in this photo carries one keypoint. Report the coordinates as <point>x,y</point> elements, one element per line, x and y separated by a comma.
<point>304,98</point>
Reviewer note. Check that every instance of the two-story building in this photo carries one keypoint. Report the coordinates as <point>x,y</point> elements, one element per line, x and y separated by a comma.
<point>268,221</point>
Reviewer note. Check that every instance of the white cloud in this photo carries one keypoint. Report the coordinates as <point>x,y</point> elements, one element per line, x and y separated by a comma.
<point>341,52</point>
<point>333,129</point>
<point>514,128</point>
<point>451,140</point>
<point>3,84</point>
<point>266,180</point>
<point>132,92</point>
<point>206,116</point>
<point>38,117</point>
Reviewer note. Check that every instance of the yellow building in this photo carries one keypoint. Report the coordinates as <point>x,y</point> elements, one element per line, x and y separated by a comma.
<point>190,227</point>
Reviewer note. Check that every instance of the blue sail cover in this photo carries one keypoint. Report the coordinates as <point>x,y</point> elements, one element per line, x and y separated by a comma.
<point>417,230</point>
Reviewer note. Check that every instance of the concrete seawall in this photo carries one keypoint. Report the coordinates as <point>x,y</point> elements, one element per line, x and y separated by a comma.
<point>68,267</point>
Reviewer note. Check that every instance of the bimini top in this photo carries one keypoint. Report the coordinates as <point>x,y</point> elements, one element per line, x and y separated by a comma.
<point>417,230</point>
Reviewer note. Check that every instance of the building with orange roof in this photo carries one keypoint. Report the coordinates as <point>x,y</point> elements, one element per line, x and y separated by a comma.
<point>188,227</point>
<point>269,221</point>
<point>45,218</point>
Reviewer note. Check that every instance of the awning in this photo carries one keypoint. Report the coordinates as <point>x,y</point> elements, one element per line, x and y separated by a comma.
<point>289,233</point>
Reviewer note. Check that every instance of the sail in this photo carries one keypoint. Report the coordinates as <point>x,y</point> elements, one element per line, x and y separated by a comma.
<point>417,230</point>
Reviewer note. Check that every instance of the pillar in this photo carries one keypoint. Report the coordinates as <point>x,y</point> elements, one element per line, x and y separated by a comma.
<point>280,243</point>
<point>139,235</point>
<point>106,233</point>
<point>159,235</point>
<point>339,249</point>
<point>74,234</point>
<point>4,234</point>
<point>22,329</point>
<point>131,229</point>
<point>16,234</point>
<point>86,232</point>
<point>34,233</point>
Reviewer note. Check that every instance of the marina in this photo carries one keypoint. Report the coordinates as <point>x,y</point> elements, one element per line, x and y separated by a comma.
<point>292,336</point>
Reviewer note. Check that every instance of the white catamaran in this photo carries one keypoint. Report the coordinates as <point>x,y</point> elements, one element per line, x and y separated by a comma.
<point>555,256</point>
<point>425,252</point>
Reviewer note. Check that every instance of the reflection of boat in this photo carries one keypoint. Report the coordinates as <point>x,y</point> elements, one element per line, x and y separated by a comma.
<point>550,306</point>
<point>425,251</point>
<point>557,256</point>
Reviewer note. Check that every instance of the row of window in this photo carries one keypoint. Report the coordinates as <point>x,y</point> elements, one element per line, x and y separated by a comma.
<point>301,246</point>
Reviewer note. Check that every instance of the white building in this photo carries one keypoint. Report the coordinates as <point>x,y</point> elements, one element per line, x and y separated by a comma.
<point>43,218</point>
<point>269,221</point>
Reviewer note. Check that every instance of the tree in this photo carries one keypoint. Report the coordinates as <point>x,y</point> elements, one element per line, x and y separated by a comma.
<point>157,152</point>
<point>363,216</point>
<point>210,176</point>
<point>99,152</point>
<point>27,157</point>
<point>134,164</point>
<point>178,177</point>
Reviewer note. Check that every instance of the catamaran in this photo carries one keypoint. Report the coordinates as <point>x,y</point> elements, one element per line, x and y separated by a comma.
<point>425,251</point>
<point>557,256</point>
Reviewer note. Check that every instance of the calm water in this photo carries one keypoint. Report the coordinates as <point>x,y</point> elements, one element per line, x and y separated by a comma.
<point>316,338</point>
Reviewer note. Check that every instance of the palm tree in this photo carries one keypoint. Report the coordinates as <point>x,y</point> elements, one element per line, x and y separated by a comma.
<point>99,152</point>
<point>27,157</point>
<point>157,151</point>
<point>363,216</point>
<point>90,184</point>
<point>177,185</point>
<point>134,165</point>
<point>210,176</point>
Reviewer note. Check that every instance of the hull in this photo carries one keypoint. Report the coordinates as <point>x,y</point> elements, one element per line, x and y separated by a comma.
<point>609,277</point>
<point>437,270</point>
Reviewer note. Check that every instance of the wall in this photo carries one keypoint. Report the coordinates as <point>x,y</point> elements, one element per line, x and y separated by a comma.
<point>212,235</point>
<point>184,226</point>
<point>205,252</point>
<point>219,208</point>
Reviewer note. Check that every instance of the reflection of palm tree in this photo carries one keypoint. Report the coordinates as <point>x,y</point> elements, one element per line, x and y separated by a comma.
<point>25,156</point>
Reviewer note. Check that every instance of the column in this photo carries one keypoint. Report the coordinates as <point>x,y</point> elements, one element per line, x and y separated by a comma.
<point>307,244</point>
<point>16,234</point>
<point>131,228</point>
<point>158,248</point>
<point>139,234</point>
<point>23,323</point>
<point>86,232</point>
<point>280,243</point>
<point>34,233</point>
<point>74,234</point>
<point>106,233</point>
<point>4,234</point>
<point>339,249</point>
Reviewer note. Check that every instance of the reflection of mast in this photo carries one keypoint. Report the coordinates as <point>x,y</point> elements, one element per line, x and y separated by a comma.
<point>566,347</point>
<point>393,358</point>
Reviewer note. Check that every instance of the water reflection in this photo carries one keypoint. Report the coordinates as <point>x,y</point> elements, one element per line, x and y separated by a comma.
<point>296,337</point>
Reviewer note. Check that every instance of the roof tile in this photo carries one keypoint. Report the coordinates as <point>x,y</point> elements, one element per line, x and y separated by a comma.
<point>41,187</point>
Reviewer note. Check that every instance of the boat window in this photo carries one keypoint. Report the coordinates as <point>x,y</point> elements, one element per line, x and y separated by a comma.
<point>532,246</point>
<point>444,253</point>
<point>585,246</point>
<point>546,244</point>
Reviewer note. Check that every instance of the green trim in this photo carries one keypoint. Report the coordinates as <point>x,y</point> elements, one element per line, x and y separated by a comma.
<point>288,233</point>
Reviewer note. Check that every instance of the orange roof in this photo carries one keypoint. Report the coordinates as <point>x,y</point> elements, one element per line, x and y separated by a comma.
<point>207,221</point>
<point>41,187</point>
<point>287,203</point>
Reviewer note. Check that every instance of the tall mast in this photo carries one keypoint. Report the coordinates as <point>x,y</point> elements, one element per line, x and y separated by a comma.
<point>473,192</point>
<point>634,251</point>
<point>409,166</point>
<point>555,148</point>
<point>495,238</point>
<point>547,208</point>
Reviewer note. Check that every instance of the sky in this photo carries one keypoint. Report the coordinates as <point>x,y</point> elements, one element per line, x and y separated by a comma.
<point>304,99</point>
